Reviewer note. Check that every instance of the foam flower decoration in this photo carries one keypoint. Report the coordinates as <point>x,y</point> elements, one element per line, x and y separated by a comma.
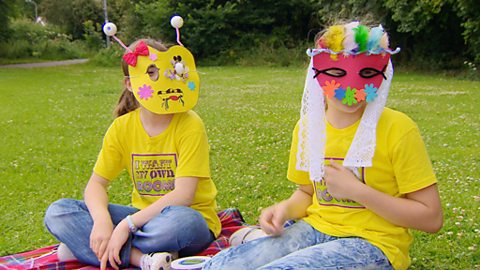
<point>191,86</point>
<point>330,87</point>
<point>349,97</point>
<point>153,57</point>
<point>371,92</point>
<point>340,93</point>
<point>145,92</point>
<point>360,95</point>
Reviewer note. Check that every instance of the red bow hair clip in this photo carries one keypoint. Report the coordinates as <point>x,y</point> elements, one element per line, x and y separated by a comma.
<point>131,57</point>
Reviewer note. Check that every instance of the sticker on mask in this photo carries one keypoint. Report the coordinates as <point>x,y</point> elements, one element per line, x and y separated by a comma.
<point>165,82</point>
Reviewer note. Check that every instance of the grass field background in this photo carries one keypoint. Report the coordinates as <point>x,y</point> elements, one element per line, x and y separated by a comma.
<point>52,121</point>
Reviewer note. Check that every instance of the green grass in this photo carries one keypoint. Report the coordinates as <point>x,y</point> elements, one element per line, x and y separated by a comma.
<point>52,121</point>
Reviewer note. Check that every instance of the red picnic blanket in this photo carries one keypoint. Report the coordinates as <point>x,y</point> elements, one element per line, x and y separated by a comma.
<point>46,257</point>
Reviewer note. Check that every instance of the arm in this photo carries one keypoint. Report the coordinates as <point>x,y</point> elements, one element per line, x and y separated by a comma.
<point>420,210</point>
<point>295,207</point>
<point>183,194</point>
<point>96,199</point>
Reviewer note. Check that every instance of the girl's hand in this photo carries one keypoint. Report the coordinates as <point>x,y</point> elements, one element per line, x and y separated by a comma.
<point>100,236</point>
<point>272,219</point>
<point>341,182</point>
<point>119,237</point>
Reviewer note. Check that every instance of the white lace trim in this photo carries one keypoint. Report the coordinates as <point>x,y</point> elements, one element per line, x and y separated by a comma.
<point>362,149</point>
<point>312,136</point>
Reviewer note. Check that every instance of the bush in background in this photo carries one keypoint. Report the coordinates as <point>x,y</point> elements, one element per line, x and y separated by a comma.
<point>108,57</point>
<point>34,41</point>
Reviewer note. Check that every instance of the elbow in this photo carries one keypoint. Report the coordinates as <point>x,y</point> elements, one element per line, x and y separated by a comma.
<point>187,200</point>
<point>435,224</point>
<point>438,226</point>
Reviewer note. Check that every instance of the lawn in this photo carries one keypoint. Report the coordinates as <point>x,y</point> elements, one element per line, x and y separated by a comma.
<point>52,121</point>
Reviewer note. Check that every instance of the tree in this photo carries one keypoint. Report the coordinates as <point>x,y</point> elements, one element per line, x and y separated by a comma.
<point>72,16</point>
<point>217,27</point>
<point>468,11</point>
<point>6,11</point>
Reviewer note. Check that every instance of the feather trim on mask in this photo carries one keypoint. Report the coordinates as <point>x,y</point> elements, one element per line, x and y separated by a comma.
<point>349,40</point>
<point>384,43</point>
<point>361,37</point>
<point>374,38</point>
<point>334,38</point>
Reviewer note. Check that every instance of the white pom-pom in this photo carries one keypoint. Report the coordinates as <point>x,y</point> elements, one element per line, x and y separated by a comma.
<point>179,68</point>
<point>110,29</point>
<point>176,21</point>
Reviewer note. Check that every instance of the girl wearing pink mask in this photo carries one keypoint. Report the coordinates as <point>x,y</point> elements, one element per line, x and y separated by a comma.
<point>363,174</point>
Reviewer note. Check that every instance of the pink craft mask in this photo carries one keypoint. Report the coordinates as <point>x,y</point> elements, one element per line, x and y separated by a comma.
<point>350,78</point>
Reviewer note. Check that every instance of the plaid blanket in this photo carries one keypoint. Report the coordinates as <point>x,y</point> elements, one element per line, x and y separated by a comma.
<point>46,258</point>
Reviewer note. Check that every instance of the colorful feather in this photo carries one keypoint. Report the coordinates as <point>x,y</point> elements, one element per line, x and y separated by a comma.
<point>321,43</point>
<point>384,43</point>
<point>374,38</point>
<point>334,38</point>
<point>349,44</point>
<point>361,37</point>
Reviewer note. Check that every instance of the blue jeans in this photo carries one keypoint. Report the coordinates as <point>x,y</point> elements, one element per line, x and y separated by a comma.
<point>176,228</point>
<point>301,247</point>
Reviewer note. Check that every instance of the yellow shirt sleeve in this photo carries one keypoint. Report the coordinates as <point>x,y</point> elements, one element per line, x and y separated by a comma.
<point>109,161</point>
<point>411,163</point>
<point>193,151</point>
<point>294,175</point>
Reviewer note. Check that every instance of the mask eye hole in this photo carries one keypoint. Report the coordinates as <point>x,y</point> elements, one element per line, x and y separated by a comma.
<point>152,72</point>
<point>333,72</point>
<point>371,72</point>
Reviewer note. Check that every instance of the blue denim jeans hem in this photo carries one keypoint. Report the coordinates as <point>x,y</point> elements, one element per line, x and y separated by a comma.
<point>301,247</point>
<point>176,229</point>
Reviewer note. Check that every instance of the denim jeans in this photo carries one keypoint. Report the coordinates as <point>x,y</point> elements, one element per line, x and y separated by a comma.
<point>176,228</point>
<point>301,247</point>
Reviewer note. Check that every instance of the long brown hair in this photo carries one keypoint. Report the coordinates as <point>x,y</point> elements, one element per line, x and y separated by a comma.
<point>127,102</point>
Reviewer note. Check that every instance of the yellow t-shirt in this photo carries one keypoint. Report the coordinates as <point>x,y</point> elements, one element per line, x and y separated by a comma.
<point>400,165</point>
<point>153,163</point>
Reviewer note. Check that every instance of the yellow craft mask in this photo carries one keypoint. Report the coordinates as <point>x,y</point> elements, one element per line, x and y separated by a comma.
<point>163,82</point>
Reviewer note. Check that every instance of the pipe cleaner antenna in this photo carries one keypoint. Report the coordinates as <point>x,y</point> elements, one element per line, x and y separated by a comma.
<point>177,23</point>
<point>110,29</point>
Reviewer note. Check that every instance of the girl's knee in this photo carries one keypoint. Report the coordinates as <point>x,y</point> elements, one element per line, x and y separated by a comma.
<point>175,228</point>
<point>57,208</point>
<point>181,218</point>
<point>59,212</point>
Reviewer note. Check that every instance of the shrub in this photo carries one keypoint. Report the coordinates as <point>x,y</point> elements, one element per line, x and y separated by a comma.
<point>31,40</point>
<point>108,57</point>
